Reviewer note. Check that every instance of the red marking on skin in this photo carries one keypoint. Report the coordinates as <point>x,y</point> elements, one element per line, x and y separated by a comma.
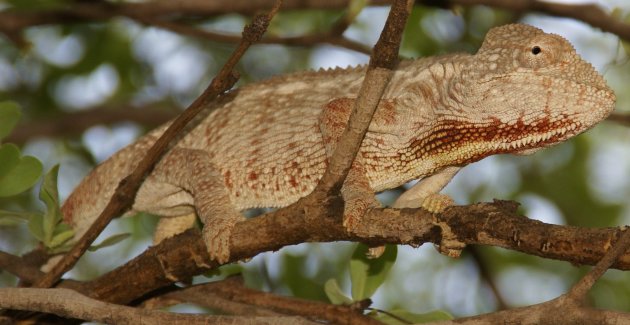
<point>454,134</point>
<point>251,162</point>
<point>227,179</point>
<point>293,182</point>
<point>340,105</point>
<point>386,112</point>
<point>252,176</point>
<point>336,114</point>
<point>264,130</point>
<point>292,145</point>
<point>255,142</point>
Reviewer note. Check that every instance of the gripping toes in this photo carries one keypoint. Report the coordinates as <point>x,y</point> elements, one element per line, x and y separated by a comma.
<point>437,203</point>
<point>217,238</point>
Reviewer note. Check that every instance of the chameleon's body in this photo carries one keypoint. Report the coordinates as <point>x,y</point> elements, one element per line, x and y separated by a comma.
<point>266,144</point>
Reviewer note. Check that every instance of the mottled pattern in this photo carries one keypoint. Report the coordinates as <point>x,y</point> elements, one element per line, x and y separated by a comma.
<point>523,90</point>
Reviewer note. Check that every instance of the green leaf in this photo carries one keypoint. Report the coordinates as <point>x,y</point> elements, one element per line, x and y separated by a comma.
<point>11,218</point>
<point>9,116</point>
<point>368,274</point>
<point>334,293</point>
<point>17,174</point>
<point>109,241</point>
<point>49,195</point>
<point>36,226</point>
<point>410,318</point>
<point>61,238</point>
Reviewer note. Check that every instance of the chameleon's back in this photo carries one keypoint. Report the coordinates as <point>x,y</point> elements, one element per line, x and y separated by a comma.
<point>268,148</point>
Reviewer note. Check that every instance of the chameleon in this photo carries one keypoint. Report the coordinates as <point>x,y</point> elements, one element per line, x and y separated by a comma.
<point>267,144</point>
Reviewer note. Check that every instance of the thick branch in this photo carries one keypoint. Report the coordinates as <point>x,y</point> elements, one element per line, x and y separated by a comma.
<point>494,224</point>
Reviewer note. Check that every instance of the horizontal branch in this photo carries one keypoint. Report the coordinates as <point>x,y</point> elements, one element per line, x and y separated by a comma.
<point>559,311</point>
<point>233,289</point>
<point>71,304</point>
<point>12,21</point>
<point>493,224</point>
<point>70,124</point>
<point>621,118</point>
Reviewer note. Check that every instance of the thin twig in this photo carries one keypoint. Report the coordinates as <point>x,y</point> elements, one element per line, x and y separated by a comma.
<point>623,119</point>
<point>582,287</point>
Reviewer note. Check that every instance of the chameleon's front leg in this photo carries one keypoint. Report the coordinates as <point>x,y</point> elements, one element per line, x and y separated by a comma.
<point>196,174</point>
<point>357,194</point>
<point>426,194</point>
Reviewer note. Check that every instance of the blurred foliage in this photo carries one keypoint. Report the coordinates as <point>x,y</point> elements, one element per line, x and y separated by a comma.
<point>78,66</point>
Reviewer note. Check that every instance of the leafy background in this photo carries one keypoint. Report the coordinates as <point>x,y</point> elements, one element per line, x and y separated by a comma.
<point>72,68</point>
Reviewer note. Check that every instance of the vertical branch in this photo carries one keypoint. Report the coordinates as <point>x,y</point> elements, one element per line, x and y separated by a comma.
<point>380,69</point>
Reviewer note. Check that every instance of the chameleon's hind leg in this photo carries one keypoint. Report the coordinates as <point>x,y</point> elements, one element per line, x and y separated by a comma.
<point>197,175</point>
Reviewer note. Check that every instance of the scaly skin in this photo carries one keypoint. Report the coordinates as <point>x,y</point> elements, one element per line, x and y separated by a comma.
<point>266,144</point>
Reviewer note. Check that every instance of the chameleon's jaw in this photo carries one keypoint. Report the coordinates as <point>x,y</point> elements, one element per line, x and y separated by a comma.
<point>460,143</point>
<point>534,141</point>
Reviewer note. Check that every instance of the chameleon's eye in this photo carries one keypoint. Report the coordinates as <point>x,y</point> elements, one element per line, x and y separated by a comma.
<point>536,49</point>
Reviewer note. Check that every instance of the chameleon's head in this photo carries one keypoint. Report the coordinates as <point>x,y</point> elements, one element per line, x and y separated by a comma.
<point>522,91</point>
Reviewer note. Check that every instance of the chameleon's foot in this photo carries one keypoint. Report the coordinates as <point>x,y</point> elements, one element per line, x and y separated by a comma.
<point>354,211</point>
<point>217,239</point>
<point>437,203</point>
<point>449,245</point>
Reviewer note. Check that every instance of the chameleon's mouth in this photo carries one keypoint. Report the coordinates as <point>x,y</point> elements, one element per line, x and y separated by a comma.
<point>532,142</point>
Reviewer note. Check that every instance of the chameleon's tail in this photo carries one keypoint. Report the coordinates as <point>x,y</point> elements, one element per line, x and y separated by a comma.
<point>90,197</point>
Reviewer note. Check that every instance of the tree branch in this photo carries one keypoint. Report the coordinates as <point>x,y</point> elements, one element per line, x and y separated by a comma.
<point>71,304</point>
<point>232,289</point>
<point>70,124</point>
<point>496,224</point>
<point>623,119</point>
<point>12,22</point>
<point>493,224</point>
